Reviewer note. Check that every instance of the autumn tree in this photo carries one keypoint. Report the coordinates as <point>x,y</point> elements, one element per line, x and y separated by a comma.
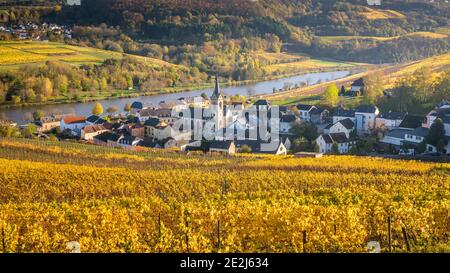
<point>97,109</point>
<point>331,96</point>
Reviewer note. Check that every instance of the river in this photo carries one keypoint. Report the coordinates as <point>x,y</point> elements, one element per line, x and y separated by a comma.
<point>22,114</point>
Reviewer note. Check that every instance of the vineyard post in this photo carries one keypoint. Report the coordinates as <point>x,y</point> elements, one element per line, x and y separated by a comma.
<point>159,232</point>
<point>389,234</point>
<point>187,234</point>
<point>304,241</point>
<point>405,237</point>
<point>218,234</point>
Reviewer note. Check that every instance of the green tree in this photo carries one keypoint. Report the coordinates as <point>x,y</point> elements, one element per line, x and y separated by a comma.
<point>440,145</point>
<point>331,95</point>
<point>373,89</point>
<point>436,133</point>
<point>204,96</point>
<point>37,115</point>
<point>29,131</point>
<point>97,109</point>
<point>245,149</point>
<point>8,131</point>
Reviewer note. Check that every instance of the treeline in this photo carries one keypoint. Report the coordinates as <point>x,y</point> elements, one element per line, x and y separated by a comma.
<point>372,51</point>
<point>56,80</point>
<point>417,93</point>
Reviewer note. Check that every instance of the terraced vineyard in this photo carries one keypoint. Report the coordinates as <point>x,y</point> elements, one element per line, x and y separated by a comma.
<point>14,53</point>
<point>112,200</point>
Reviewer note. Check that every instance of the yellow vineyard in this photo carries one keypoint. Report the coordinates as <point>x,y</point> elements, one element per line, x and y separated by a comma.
<point>112,200</point>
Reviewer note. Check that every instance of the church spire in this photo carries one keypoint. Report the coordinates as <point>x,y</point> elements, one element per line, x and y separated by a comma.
<point>216,94</point>
<point>216,87</point>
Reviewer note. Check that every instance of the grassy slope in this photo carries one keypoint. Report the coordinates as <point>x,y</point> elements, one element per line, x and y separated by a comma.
<point>392,74</point>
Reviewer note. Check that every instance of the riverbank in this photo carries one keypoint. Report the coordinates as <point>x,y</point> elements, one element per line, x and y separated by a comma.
<point>124,94</point>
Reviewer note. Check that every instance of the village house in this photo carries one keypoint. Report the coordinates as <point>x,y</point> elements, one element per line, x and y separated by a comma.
<point>304,111</point>
<point>357,87</point>
<point>136,130</point>
<point>365,118</point>
<point>46,124</point>
<point>395,137</point>
<point>416,136</point>
<point>257,147</point>
<point>73,123</point>
<point>109,139</point>
<point>340,114</point>
<point>226,147</point>
<point>160,113</point>
<point>345,126</point>
<point>286,123</point>
<point>157,129</point>
<point>440,111</point>
<point>128,141</point>
<point>319,115</point>
<point>90,131</point>
<point>326,141</point>
<point>94,119</point>
<point>389,120</point>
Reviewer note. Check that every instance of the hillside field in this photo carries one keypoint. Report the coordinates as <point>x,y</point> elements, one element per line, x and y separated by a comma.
<point>112,200</point>
<point>15,53</point>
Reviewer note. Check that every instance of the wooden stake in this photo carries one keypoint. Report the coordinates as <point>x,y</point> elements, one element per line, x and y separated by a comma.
<point>389,234</point>
<point>405,237</point>
<point>304,241</point>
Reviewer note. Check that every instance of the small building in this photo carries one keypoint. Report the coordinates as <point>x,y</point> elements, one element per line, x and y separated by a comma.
<point>357,87</point>
<point>342,126</point>
<point>395,137</point>
<point>326,142</point>
<point>287,122</point>
<point>319,115</point>
<point>416,136</point>
<point>365,118</point>
<point>90,131</point>
<point>109,139</point>
<point>128,141</point>
<point>95,120</point>
<point>340,114</point>
<point>389,120</point>
<point>304,111</point>
<point>73,123</point>
<point>226,147</point>
<point>46,124</point>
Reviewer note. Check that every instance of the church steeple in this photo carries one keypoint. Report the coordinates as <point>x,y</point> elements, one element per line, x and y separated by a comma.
<point>216,94</point>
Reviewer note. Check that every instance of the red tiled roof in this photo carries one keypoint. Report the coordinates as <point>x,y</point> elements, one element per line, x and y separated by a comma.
<point>93,128</point>
<point>74,119</point>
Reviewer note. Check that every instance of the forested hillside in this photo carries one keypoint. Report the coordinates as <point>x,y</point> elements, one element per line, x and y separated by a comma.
<point>225,35</point>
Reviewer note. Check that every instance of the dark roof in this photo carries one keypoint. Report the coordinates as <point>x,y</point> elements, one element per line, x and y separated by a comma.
<point>148,142</point>
<point>107,136</point>
<point>92,118</point>
<point>283,108</point>
<point>411,121</point>
<point>222,145</point>
<point>398,133</point>
<point>358,82</point>
<point>393,115</point>
<point>137,105</point>
<point>288,118</point>
<point>366,109</point>
<point>340,112</point>
<point>327,138</point>
<point>347,123</point>
<point>317,111</point>
<point>153,122</point>
<point>128,139</point>
<point>255,145</point>
<point>304,107</point>
<point>339,137</point>
<point>262,102</point>
<point>441,112</point>
<point>133,120</point>
<point>421,131</point>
